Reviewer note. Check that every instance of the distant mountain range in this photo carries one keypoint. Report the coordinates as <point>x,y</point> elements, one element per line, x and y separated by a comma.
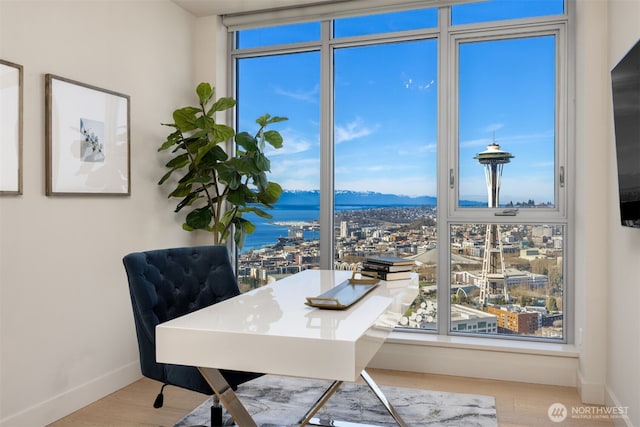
<point>365,198</point>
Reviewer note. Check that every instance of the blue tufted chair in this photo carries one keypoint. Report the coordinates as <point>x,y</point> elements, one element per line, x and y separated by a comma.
<point>168,283</point>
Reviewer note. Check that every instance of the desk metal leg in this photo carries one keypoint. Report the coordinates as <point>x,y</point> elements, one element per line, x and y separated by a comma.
<point>228,397</point>
<point>332,389</point>
<point>308,418</point>
<point>241,416</point>
<point>383,399</point>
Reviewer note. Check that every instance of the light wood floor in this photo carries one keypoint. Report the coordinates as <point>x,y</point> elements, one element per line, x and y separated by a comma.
<point>517,404</point>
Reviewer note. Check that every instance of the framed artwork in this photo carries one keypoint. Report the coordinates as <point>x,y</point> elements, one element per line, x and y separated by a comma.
<point>87,139</point>
<point>10,128</point>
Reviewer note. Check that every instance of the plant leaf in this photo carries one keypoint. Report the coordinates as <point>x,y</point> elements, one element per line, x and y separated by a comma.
<point>221,104</point>
<point>202,179</point>
<point>165,177</point>
<point>213,156</point>
<point>244,165</point>
<point>271,194</point>
<point>222,133</point>
<point>187,201</point>
<point>185,118</point>
<point>276,119</point>
<point>203,152</point>
<point>205,92</point>
<point>246,141</point>
<point>178,161</point>
<point>263,120</point>
<point>273,138</point>
<point>243,227</point>
<point>205,123</point>
<point>262,162</point>
<point>247,226</point>
<point>240,196</point>
<point>229,176</point>
<point>181,190</point>
<point>199,219</point>
<point>194,142</point>
<point>260,180</point>
<point>259,212</point>
<point>172,139</point>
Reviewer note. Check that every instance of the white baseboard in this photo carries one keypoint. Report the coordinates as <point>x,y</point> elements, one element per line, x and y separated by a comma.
<point>611,400</point>
<point>69,401</point>
<point>592,393</point>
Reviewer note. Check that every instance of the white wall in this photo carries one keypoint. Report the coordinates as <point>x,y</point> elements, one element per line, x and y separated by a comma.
<point>66,329</point>
<point>623,337</point>
<point>591,241</point>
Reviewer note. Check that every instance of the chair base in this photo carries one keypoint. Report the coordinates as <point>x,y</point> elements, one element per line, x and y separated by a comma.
<point>216,416</point>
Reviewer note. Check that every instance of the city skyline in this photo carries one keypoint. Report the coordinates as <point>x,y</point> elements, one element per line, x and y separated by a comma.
<point>534,277</point>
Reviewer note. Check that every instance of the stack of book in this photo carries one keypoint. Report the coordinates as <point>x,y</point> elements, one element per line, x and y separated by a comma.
<point>388,267</point>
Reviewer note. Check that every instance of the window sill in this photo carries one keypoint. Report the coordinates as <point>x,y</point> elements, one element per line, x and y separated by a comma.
<point>484,344</point>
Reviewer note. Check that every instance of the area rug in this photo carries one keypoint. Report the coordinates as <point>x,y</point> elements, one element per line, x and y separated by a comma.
<point>283,401</point>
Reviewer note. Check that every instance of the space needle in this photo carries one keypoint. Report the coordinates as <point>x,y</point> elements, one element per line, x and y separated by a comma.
<point>493,270</point>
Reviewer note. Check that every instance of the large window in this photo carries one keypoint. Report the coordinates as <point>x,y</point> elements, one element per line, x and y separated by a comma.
<point>437,135</point>
<point>288,243</point>
<point>385,138</point>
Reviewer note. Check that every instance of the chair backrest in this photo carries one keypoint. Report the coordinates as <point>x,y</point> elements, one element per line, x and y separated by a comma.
<point>168,283</point>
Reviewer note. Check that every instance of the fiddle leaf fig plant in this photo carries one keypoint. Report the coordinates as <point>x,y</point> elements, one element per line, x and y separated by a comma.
<point>217,188</point>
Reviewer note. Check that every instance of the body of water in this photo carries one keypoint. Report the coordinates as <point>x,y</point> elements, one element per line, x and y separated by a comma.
<point>269,230</point>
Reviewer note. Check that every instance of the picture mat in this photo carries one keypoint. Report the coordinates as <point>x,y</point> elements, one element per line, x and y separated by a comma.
<point>71,103</point>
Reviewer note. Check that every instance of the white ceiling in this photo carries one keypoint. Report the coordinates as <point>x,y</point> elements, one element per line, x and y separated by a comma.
<point>221,7</point>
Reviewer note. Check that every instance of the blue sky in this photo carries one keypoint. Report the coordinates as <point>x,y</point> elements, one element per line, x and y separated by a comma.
<point>385,123</point>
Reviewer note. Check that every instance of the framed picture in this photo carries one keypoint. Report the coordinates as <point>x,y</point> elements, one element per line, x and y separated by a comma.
<point>10,128</point>
<point>87,139</point>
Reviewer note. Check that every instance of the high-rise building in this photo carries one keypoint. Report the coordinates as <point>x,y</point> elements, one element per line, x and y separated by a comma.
<point>344,229</point>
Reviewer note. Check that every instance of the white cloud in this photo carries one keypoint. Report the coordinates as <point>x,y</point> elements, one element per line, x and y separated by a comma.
<point>303,174</point>
<point>426,86</point>
<point>311,96</point>
<point>353,130</point>
<point>292,144</point>
<point>410,84</point>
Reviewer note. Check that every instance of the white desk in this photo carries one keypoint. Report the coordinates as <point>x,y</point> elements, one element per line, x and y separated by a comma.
<point>270,330</point>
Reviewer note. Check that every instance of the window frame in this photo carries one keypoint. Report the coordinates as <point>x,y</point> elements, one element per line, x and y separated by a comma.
<point>559,214</point>
<point>449,37</point>
<point>560,210</point>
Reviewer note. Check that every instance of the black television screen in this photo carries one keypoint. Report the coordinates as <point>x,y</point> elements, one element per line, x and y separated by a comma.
<point>625,84</point>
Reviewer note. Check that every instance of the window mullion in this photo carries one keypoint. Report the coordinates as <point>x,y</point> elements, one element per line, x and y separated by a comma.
<point>326,149</point>
<point>445,124</point>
